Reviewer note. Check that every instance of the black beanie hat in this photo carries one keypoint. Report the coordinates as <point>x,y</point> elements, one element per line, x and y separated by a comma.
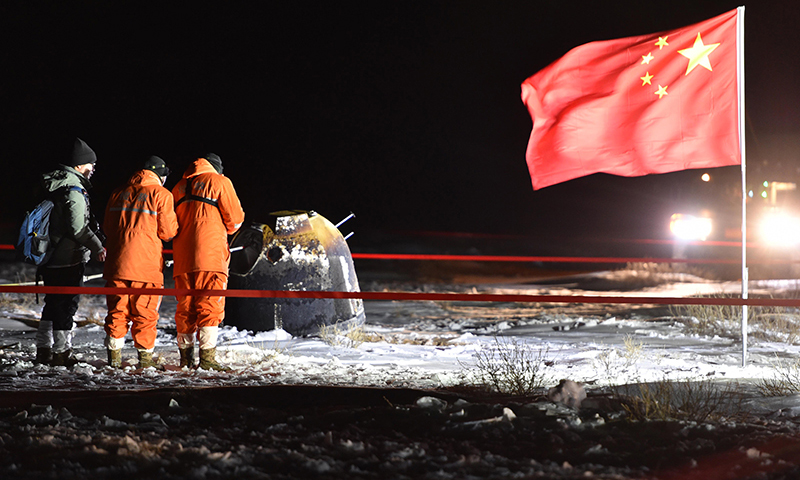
<point>215,161</point>
<point>156,164</point>
<point>82,154</point>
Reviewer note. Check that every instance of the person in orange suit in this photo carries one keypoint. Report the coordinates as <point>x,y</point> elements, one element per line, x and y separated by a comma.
<point>208,211</point>
<point>139,216</point>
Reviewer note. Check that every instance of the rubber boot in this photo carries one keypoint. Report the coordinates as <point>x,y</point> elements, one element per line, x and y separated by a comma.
<point>44,356</point>
<point>146,359</point>
<point>208,360</point>
<point>64,359</point>
<point>115,358</point>
<point>187,356</point>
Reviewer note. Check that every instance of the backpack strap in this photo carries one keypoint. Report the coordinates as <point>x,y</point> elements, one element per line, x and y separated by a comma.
<point>93,225</point>
<point>191,196</point>
<point>66,189</point>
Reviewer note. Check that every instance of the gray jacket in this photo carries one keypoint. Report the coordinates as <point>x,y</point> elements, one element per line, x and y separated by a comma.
<point>71,219</point>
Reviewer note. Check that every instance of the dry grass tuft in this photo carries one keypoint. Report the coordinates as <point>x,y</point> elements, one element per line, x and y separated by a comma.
<point>658,270</point>
<point>94,318</point>
<point>511,367</point>
<point>617,360</point>
<point>428,341</point>
<point>692,400</point>
<point>765,323</point>
<point>786,380</point>
<point>266,353</point>
<point>15,300</point>
<point>350,336</point>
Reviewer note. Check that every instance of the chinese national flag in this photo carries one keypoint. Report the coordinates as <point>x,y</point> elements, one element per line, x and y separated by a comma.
<point>638,105</point>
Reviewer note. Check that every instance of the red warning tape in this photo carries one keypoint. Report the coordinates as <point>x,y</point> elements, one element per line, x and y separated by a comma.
<point>545,259</point>
<point>511,258</point>
<point>417,296</point>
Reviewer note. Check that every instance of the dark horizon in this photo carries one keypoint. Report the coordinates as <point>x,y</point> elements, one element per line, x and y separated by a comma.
<point>407,114</point>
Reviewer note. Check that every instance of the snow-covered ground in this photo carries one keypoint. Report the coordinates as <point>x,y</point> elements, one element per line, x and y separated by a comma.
<point>429,345</point>
<point>431,349</point>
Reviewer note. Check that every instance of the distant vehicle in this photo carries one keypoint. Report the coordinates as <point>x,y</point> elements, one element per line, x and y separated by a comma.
<point>779,216</point>
<point>773,223</point>
<point>773,217</point>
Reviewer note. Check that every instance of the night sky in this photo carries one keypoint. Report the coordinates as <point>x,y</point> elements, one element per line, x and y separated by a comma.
<point>407,113</point>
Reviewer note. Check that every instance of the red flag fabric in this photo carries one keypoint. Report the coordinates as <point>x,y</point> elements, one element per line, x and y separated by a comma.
<point>638,105</point>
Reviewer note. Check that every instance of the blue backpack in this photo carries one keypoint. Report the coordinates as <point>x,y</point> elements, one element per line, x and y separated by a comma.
<point>34,244</point>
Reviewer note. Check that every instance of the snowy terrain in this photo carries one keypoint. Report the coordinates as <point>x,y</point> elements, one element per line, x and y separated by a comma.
<point>423,353</point>
<point>430,344</point>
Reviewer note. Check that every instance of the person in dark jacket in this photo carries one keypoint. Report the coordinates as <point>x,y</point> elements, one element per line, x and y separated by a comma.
<point>73,233</point>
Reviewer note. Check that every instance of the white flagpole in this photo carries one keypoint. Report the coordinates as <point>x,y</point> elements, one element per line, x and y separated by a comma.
<point>740,87</point>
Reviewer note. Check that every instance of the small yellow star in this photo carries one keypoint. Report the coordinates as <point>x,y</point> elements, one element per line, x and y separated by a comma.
<point>661,91</point>
<point>646,79</point>
<point>647,58</point>
<point>662,42</point>
<point>698,54</point>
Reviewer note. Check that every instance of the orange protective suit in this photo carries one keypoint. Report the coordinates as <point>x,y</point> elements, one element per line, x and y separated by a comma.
<point>195,313</point>
<point>201,247</point>
<point>138,217</point>
<point>140,310</point>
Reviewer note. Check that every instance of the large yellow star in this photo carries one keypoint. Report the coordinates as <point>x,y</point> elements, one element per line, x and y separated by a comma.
<point>646,79</point>
<point>698,54</point>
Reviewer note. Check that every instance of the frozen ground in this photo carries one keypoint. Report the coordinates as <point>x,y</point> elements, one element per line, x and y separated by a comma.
<point>289,409</point>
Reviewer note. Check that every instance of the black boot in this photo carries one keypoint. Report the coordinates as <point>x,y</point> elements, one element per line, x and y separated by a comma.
<point>115,358</point>
<point>146,360</point>
<point>63,359</point>
<point>44,355</point>
<point>208,360</point>
<point>187,356</point>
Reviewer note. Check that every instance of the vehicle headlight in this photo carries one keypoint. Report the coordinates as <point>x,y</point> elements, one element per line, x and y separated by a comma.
<point>689,227</point>
<point>780,229</point>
